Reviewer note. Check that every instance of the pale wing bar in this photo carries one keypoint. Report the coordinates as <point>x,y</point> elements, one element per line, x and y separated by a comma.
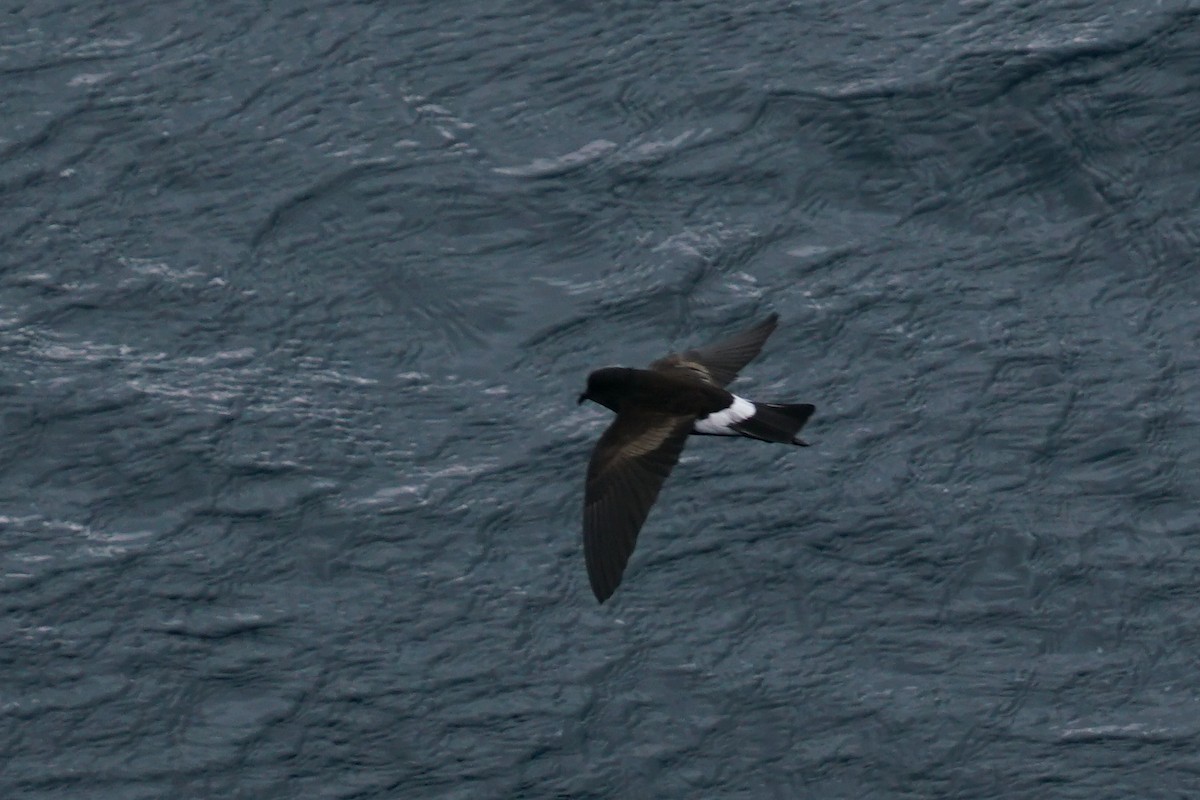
<point>629,465</point>
<point>720,362</point>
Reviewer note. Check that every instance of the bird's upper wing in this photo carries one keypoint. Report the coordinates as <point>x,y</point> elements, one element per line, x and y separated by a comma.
<point>631,461</point>
<point>720,362</point>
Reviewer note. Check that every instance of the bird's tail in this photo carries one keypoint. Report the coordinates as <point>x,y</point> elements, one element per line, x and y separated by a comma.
<point>776,422</point>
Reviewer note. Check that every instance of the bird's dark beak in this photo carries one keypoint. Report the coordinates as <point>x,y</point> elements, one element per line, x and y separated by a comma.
<point>582,397</point>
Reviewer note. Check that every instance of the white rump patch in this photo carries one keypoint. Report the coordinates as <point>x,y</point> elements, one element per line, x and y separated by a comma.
<point>721,422</point>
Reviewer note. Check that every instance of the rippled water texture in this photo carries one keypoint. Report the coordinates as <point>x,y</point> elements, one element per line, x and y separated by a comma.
<point>296,300</point>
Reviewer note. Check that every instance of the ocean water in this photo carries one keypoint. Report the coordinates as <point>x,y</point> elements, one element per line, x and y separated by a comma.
<point>296,299</point>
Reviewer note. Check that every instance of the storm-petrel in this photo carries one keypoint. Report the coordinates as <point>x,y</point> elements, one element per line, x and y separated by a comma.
<point>657,408</point>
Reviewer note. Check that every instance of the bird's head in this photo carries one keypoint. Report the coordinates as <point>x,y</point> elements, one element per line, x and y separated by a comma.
<point>604,387</point>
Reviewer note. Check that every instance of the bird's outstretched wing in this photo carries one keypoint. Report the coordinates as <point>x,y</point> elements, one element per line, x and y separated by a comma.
<point>720,362</point>
<point>631,461</point>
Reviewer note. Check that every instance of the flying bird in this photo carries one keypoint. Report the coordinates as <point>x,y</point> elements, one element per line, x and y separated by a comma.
<point>657,409</point>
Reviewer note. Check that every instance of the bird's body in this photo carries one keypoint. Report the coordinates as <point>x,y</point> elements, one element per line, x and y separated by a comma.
<point>657,409</point>
<point>624,388</point>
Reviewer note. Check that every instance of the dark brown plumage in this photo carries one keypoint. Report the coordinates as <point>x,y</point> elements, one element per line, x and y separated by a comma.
<point>657,408</point>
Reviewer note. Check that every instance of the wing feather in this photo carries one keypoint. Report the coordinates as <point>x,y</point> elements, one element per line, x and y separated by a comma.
<point>720,362</point>
<point>628,467</point>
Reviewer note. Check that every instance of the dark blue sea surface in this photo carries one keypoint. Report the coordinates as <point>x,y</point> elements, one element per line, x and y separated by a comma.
<point>296,299</point>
